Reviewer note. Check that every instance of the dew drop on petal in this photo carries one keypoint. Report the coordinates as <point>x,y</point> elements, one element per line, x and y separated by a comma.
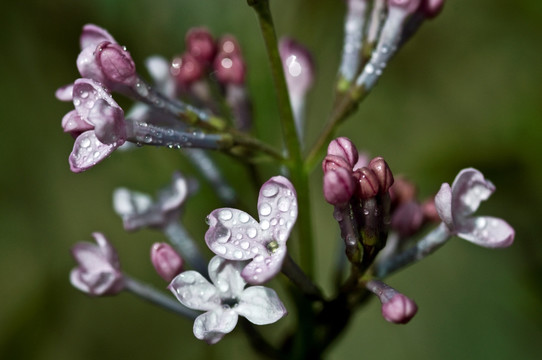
<point>481,223</point>
<point>274,222</point>
<point>76,102</point>
<point>245,245</point>
<point>252,232</point>
<point>225,215</point>
<point>239,236</point>
<point>270,190</point>
<point>265,209</point>
<point>219,249</point>
<point>85,143</point>
<point>264,225</point>
<point>222,235</point>
<point>258,270</point>
<point>238,254</point>
<point>284,204</point>
<point>258,258</point>
<point>243,217</point>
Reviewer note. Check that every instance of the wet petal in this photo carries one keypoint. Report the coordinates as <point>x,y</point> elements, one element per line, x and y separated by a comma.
<point>486,231</point>
<point>92,35</point>
<point>260,305</point>
<point>213,325</point>
<point>443,203</point>
<point>264,268</point>
<point>468,190</point>
<point>73,124</point>
<point>226,276</point>
<point>194,291</point>
<point>88,151</point>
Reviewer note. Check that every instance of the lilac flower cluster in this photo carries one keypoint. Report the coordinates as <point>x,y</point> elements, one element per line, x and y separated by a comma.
<point>199,101</point>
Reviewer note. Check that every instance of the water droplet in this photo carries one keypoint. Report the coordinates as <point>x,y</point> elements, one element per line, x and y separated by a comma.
<point>481,223</point>
<point>76,102</point>
<point>258,258</point>
<point>245,245</point>
<point>265,209</point>
<point>252,232</point>
<point>293,213</point>
<point>222,235</point>
<point>284,204</point>
<point>219,249</point>
<point>84,94</point>
<point>258,270</point>
<point>239,236</point>
<point>243,217</point>
<point>96,154</point>
<point>89,104</point>
<point>238,254</point>
<point>188,278</point>
<point>270,190</point>
<point>148,138</point>
<point>225,215</point>
<point>274,222</point>
<point>85,143</point>
<point>369,69</point>
<point>264,225</point>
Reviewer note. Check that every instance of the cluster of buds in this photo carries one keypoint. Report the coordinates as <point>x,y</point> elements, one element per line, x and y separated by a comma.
<point>359,190</point>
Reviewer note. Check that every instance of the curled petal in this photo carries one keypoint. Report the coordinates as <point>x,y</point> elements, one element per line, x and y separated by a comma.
<point>486,231</point>
<point>213,325</point>
<point>108,122</point>
<point>260,305</point>
<point>73,124</point>
<point>92,35</point>
<point>88,151</point>
<point>469,189</point>
<point>226,275</point>
<point>194,291</point>
<point>64,93</point>
<point>443,203</point>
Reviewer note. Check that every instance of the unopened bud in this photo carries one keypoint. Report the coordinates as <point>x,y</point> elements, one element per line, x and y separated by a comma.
<point>431,8</point>
<point>402,191</point>
<point>116,63</point>
<point>396,307</point>
<point>167,262</point>
<point>339,186</point>
<point>228,44</point>
<point>367,186</point>
<point>200,44</point>
<point>186,68</point>
<point>383,173</point>
<point>408,5</point>
<point>333,162</point>
<point>229,68</point>
<point>407,219</point>
<point>429,210</point>
<point>342,146</point>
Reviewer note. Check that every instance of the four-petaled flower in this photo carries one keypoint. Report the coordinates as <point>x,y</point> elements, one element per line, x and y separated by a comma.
<point>225,299</point>
<point>97,123</point>
<point>235,235</point>
<point>138,210</point>
<point>98,272</point>
<point>455,204</point>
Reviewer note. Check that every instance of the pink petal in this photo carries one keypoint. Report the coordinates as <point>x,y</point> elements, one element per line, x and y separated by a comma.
<point>88,151</point>
<point>108,122</point>
<point>108,251</point>
<point>264,267</point>
<point>468,190</point>
<point>194,291</point>
<point>73,123</point>
<point>65,93</point>
<point>486,231</point>
<point>260,305</point>
<point>443,203</point>
<point>213,325</point>
<point>92,35</point>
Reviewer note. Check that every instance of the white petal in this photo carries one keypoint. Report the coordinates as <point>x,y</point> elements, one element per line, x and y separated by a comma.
<point>88,151</point>
<point>468,190</point>
<point>487,231</point>
<point>443,203</point>
<point>260,305</point>
<point>226,275</point>
<point>213,325</point>
<point>194,291</point>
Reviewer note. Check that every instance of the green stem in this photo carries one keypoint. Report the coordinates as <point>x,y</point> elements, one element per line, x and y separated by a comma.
<point>295,160</point>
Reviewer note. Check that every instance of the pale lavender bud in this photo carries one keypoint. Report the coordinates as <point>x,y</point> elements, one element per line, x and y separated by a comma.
<point>396,307</point>
<point>339,186</point>
<point>229,68</point>
<point>431,8</point>
<point>298,67</point>
<point>342,146</point>
<point>367,186</point>
<point>98,272</point>
<point>186,69</point>
<point>333,162</point>
<point>167,262</point>
<point>383,173</point>
<point>200,44</point>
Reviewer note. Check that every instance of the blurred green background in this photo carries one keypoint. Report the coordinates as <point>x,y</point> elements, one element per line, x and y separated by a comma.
<point>464,92</point>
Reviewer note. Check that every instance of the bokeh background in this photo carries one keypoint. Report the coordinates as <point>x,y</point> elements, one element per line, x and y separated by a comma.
<point>464,92</point>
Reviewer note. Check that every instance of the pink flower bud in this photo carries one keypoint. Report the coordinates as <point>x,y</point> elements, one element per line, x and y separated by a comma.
<point>228,44</point>
<point>367,183</point>
<point>229,68</point>
<point>339,186</point>
<point>383,173</point>
<point>200,44</point>
<point>186,68</point>
<point>167,262</point>
<point>116,63</point>
<point>333,162</point>
<point>431,8</point>
<point>343,147</point>
<point>402,191</point>
<point>407,219</point>
<point>399,309</point>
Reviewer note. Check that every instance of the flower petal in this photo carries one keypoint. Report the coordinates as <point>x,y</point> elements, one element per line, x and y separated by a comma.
<point>73,123</point>
<point>92,35</point>
<point>88,151</point>
<point>468,190</point>
<point>172,197</point>
<point>226,275</point>
<point>260,305</point>
<point>277,208</point>
<point>213,325</point>
<point>263,268</point>
<point>487,231</point>
<point>65,93</point>
<point>443,203</point>
<point>233,234</point>
<point>194,291</point>
<point>108,251</point>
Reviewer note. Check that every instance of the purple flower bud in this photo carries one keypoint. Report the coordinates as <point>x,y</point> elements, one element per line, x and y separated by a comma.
<point>229,68</point>
<point>228,44</point>
<point>409,6</point>
<point>98,272</point>
<point>333,162</point>
<point>367,183</point>
<point>407,219</point>
<point>298,67</point>
<point>396,307</point>
<point>342,146</point>
<point>200,44</point>
<point>186,69</point>
<point>431,8</point>
<point>402,191</point>
<point>339,186</point>
<point>167,262</point>
<point>383,173</point>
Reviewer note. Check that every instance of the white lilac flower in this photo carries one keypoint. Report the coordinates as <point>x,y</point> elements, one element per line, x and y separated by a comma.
<point>455,204</point>
<point>233,234</point>
<point>225,299</point>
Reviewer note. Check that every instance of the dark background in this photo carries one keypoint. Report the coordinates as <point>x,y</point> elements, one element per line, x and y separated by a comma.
<point>464,92</point>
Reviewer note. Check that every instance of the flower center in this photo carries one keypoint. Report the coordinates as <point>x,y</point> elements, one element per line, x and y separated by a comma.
<point>229,303</point>
<point>272,246</point>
